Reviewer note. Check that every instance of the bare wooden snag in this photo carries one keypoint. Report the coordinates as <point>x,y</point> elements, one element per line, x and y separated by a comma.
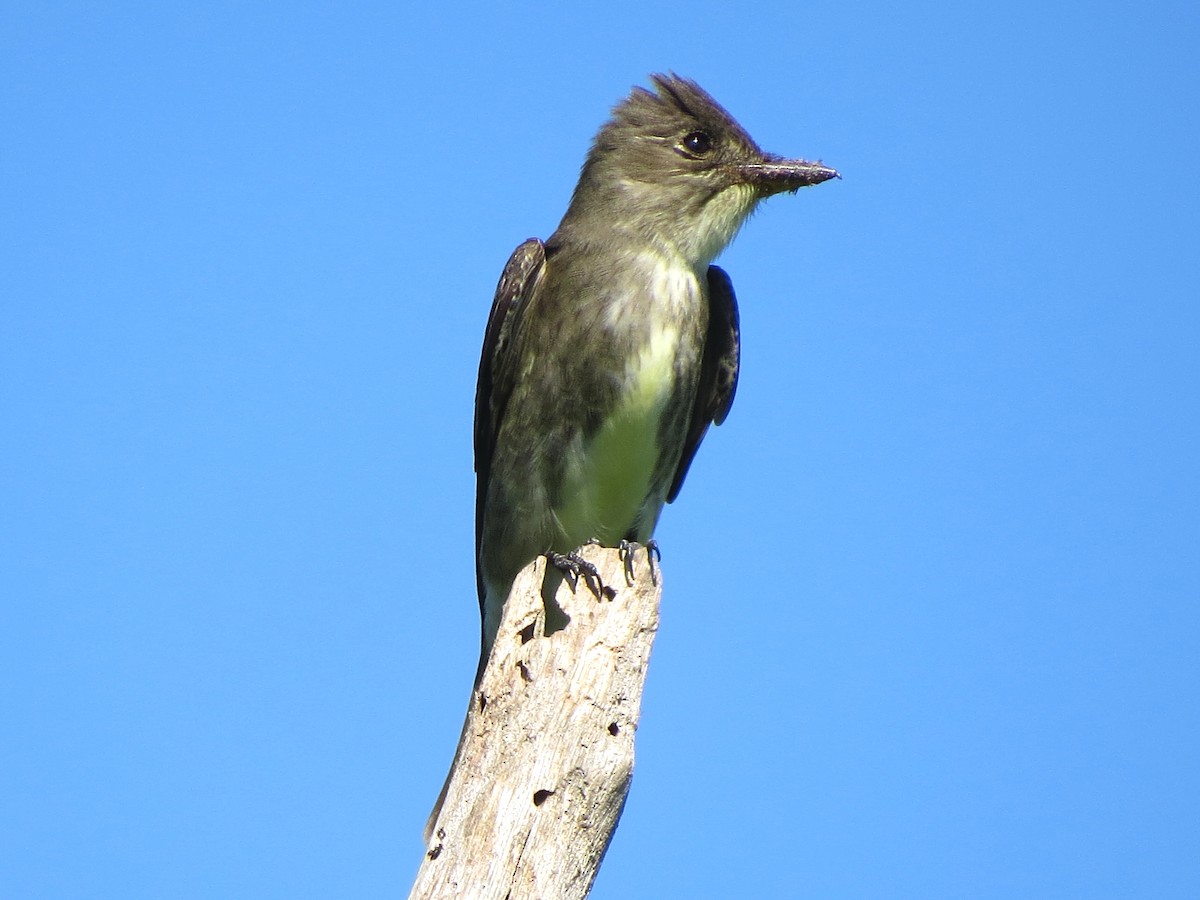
<point>546,756</point>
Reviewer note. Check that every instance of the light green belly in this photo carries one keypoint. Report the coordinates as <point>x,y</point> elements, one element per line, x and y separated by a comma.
<point>609,478</point>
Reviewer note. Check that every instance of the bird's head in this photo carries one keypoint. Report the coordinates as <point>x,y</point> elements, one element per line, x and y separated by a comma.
<point>672,164</point>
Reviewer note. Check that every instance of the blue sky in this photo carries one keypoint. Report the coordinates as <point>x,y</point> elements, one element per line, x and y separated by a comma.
<point>930,625</point>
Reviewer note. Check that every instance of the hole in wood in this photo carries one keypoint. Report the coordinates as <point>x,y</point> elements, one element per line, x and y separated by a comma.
<point>614,729</point>
<point>539,797</point>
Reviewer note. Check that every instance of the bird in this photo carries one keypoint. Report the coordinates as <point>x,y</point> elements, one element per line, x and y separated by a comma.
<point>613,345</point>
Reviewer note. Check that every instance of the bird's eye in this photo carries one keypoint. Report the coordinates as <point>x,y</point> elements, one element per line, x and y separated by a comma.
<point>696,144</point>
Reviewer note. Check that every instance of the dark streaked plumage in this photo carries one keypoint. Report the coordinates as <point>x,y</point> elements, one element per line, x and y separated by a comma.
<point>613,346</point>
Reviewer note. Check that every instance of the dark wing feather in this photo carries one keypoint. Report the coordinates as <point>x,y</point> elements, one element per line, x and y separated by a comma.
<point>718,370</point>
<point>492,390</point>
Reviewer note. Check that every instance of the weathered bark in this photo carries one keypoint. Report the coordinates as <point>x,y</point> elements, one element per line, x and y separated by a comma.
<point>546,757</point>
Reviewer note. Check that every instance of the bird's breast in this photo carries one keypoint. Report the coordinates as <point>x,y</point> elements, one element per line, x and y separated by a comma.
<point>612,484</point>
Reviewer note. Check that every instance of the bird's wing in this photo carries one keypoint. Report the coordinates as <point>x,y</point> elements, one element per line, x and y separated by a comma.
<point>496,364</point>
<point>718,370</point>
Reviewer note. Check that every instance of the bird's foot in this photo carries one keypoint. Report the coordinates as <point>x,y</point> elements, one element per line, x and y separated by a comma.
<point>653,557</point>
<point>576,567</point>
<point>629,548</point>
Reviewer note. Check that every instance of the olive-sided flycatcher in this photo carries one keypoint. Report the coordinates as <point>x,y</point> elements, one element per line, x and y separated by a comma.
<point>612,346</point>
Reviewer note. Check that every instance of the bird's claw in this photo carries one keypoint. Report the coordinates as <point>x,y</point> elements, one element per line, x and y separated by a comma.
<point>628,548</point>
<point>575,566</point>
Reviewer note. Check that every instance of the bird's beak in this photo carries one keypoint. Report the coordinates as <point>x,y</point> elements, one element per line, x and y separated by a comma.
<point>775,174</point>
